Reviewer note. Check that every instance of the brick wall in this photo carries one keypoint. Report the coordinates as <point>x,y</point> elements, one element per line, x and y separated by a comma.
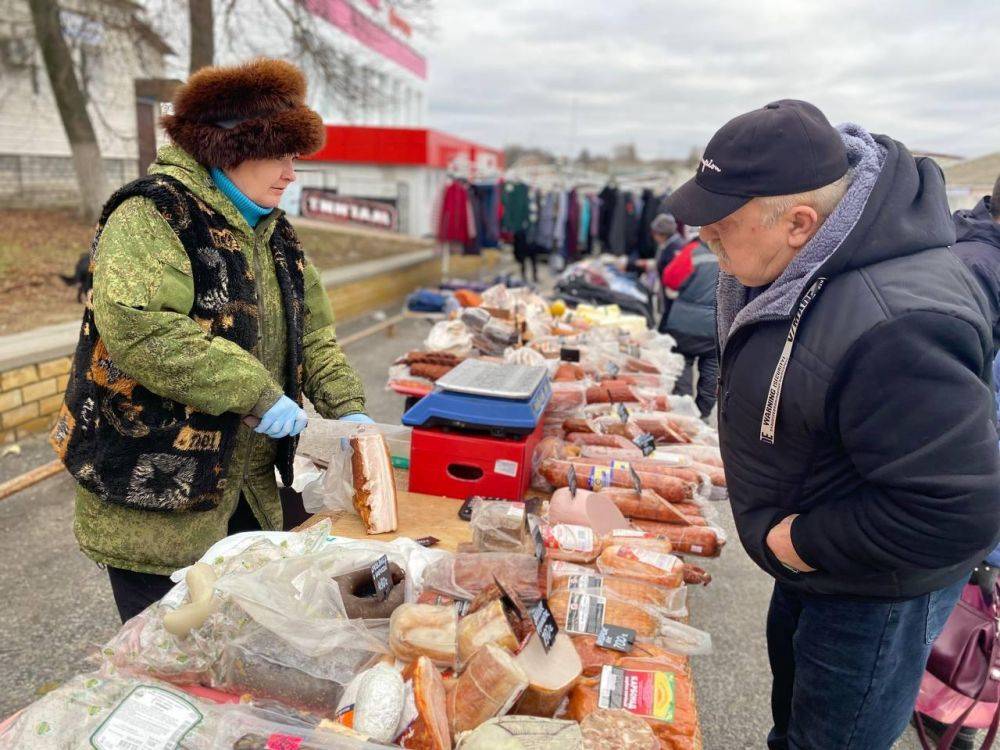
<point>31,395</point>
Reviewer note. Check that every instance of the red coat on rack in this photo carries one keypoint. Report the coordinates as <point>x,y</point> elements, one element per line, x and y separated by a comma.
<point>455,221</point>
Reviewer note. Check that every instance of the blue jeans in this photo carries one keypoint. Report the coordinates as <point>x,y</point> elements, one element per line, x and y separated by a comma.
<point>846,672</point>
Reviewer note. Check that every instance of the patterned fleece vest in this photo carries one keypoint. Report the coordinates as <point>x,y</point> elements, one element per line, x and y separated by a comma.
<point>128,445</point>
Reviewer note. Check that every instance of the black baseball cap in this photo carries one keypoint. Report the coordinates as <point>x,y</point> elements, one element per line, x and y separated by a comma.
<point>785,147</point>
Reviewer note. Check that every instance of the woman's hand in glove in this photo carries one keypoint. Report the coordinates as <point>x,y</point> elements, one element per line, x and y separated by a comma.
<point>359,418</point>
<point>284,418</point>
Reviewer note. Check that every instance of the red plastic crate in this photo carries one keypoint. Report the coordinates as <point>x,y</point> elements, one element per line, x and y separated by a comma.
<point>459,464</point>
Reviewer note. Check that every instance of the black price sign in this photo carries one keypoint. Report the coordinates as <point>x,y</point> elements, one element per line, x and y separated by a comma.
<point>622,412</point>
<point>427,541</point>
<point>616,638</point>
<point>646,443</point>
<point>636,482</point>
<point>545,624</point>
<point>536,538</point>
<point>569,355</point>
<point>571,480</point>
<point>381,577</point>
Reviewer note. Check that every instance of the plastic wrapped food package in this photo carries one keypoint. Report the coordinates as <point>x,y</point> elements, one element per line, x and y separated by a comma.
<point>451,336</point>
<point>241,728</point>
<point>110,707</point>
<point>424,630</point>
<point>462,576</point>
<point>498,526</point>
<point>522,733</point>
<point>673,721</point>
<point>584,611</point>
<point>572,577</point>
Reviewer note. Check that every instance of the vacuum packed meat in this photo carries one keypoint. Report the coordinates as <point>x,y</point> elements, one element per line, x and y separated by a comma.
<point>429,630</point>
<point>706,541</point>
<point>486,625</point>
<point>550,674</point>
<point>608,729</point>
<point>632,561</point>
<point>586,508</point>
<point>374,483</point>
<point>490,685</point>
<point>430,730</point>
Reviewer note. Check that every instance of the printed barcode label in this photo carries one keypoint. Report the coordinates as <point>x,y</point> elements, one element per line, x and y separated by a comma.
<point>585,613</point>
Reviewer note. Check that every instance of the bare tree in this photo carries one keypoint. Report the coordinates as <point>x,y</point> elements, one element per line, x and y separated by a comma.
<point>201,19</point>
<point>72,105</point>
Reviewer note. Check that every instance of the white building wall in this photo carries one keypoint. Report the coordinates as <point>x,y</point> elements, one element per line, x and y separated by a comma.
<point>29,119</point>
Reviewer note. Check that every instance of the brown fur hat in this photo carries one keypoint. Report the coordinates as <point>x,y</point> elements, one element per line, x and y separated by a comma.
<point>225,115</point>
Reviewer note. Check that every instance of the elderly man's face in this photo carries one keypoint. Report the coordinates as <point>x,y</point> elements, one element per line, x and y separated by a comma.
<point>753,250</point>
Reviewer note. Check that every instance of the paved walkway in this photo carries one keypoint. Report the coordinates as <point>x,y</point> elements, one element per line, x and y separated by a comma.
<point>58,606</point>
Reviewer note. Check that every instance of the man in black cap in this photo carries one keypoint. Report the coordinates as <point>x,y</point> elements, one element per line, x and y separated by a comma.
<point>855,412</point>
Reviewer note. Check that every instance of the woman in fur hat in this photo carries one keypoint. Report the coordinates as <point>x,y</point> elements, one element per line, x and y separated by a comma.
<point>205,328</point>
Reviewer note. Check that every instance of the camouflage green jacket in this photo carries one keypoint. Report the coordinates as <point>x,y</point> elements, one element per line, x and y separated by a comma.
<point>143,292</point>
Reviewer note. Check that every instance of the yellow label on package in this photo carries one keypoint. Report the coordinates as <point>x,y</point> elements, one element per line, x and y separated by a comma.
<point>600,477</point>
<point>640,692</point>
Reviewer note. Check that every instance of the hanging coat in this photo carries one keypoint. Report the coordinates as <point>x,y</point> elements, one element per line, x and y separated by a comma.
<point>608,198</point>
<point>456,222</point>
<point>572,226</point>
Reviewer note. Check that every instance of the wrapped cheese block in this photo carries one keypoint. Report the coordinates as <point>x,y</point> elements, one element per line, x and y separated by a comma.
<point>633,561</point>
<point>490,685</point>
<point>374,483</point>
<point>430,729</point>
<point>605,729</point>
<point>486,625</point>
<point>429,630</point>
<point>523,733</point>
<point>550,674</point>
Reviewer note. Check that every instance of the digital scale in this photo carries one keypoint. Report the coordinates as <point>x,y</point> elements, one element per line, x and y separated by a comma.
<point>482,396</point>
<point>476,432</point>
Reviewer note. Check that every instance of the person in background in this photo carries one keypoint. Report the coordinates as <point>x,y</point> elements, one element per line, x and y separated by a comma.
<point>205,328</point>
<point>689,282</point>
<point>667,241</point>
<point>856,415</point>
<point>978,247</point>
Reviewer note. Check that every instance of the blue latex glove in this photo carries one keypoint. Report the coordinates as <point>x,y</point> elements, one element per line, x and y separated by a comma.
<point>359,418</point>
<point>284,418</point>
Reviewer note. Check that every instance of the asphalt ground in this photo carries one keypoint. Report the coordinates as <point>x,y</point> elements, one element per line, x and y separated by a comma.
<point>57,606</point>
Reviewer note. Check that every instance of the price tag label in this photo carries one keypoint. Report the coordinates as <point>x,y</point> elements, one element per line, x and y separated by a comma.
<point>616,638</point>
<point>427,541</point>
<point>636,482</point>
<point>538,540</point>
<point>381,577</point>
<point>545,624</point>
<point>646,443</point>
<point>569,355</point>
<point>622,412</point>
<point>571,480</point>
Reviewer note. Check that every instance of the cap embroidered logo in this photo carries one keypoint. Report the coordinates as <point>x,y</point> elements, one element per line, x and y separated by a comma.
<point>709,164</point>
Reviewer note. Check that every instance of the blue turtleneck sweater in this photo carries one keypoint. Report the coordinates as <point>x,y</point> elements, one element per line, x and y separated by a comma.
<point>250,210</point>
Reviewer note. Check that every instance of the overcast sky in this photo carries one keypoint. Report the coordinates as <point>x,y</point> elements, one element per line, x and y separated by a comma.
<point>665,74</point>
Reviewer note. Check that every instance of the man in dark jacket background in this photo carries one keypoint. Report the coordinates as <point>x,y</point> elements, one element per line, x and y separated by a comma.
<point>689,282</point>
<point>977,232</point>
<point>856,417</point>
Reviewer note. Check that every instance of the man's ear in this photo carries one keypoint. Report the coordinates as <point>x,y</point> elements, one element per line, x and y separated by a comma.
<point>803,223</point>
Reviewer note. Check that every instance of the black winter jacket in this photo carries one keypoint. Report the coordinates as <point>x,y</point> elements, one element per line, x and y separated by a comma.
<point>885,437</point>
<point>978,247</point>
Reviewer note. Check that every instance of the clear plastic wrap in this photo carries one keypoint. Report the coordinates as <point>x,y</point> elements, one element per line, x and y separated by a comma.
<point>568,398</point>
<point>114,706</point>
<point>462,576</point>
<point>570,576</point>
<point>498,526</point>
<point>334,488</point>
<point>281,630</point>
<point>241,728</point>
<point>451,336</point>
<point>584,611</point>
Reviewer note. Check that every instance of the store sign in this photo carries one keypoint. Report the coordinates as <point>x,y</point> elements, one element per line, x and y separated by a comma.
<point>322,204</point>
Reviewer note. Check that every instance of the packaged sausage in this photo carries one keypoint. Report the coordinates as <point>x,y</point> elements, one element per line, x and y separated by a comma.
<point>498,526</point>
<point>633,561</point>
